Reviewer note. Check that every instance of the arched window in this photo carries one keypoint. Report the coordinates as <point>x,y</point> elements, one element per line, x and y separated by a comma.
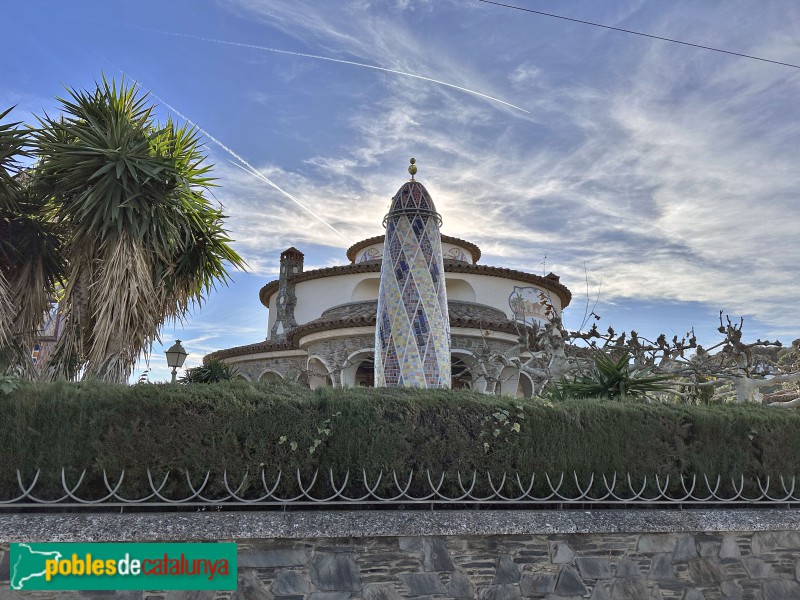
<point>507,382</point>
<point>360,369</point>
<point>524,387</point>
<point>461,375</point>
<point>318,374</point>
<point>365,374</point>
<point>459,289</point>
<point>366,289</point>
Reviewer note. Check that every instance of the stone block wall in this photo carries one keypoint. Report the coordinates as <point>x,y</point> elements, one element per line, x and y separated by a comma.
<point>550,565</point>
<point>685,566</point>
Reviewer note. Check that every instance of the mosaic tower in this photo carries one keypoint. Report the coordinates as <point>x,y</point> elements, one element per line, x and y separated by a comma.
<point>412,336</point>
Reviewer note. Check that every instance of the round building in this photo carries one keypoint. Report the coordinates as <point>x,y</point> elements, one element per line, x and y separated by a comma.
<point>322,322</point>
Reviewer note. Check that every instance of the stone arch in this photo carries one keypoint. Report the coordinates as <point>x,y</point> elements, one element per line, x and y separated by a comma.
<point>360,369</point>
<point>467,372</point>
<point>270,375</point>
<point>318,373</point>
<point>366,289</point>
<point>461,377</point>
<point>241,377</point>
<point>507,382</point>
<point>525,386</point>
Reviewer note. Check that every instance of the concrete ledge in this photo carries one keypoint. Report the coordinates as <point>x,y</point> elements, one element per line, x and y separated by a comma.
<point>144,527</point>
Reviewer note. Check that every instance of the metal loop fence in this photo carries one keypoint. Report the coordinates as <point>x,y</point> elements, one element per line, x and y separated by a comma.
<point>391,489</point>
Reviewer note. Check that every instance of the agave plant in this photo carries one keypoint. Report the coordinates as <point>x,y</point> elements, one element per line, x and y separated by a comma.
<point>141,241</point>
<point>614,379</point>
<point>212,371</point>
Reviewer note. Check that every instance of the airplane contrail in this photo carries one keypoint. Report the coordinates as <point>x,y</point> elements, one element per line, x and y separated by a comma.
<point>250,168</point>
<point>337,60</point>
<point>252,171</point>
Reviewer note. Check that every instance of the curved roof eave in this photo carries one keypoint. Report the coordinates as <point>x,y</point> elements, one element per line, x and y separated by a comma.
<point>296,334</point>
<point>550,282</point>
<point>378,239</point>
<point>258,347</point>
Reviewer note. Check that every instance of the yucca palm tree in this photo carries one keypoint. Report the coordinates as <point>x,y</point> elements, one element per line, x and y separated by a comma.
<point>141,241</point>
<point>31,265</point>
<point>12,143</point>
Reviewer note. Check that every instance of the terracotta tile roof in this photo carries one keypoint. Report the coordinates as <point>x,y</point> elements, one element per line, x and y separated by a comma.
<point>550,282</point>
<point>293,253</point>
<point>266,346</point>
<point>363,314</point>
<point>378,239</point>
<point>363,320</point>
<point>330,324</point>
<point>456,308</point>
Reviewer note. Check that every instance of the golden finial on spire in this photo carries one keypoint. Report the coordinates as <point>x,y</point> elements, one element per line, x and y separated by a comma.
<point>412,168</point>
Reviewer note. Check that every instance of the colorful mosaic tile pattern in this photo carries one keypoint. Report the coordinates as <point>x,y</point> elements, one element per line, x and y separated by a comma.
<point>412,338</point>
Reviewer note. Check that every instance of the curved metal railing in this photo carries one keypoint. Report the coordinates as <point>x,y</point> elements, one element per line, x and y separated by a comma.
<point>390,489</point>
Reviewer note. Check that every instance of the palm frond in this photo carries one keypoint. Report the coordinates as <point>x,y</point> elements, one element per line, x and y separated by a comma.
<point>7,313</point>
<point>13,146</point>
<point>31,263</point>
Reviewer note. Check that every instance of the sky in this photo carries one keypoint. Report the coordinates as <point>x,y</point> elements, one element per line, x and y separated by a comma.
<point>661,182</point>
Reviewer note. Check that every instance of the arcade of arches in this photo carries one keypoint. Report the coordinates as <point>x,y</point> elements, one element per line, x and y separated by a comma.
<point>360,373</point>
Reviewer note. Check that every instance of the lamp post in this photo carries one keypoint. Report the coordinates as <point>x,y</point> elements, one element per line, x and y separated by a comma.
<point>175,357</point>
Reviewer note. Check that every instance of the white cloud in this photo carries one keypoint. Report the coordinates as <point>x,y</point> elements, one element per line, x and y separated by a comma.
<point>673,178</point>
<point>525,73</point>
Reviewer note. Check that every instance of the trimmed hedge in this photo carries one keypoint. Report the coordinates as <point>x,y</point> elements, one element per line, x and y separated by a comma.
<point>239,427</point>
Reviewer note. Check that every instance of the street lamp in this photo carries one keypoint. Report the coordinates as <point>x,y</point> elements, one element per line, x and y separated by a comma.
<point>175,357</point>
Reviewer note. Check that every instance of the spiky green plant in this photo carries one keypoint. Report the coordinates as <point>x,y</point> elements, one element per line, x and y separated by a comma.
<point>614,379</point>
<point>12,148</point>
<point>141,241</point>
<point>12,142</point>
<point>212,371</point>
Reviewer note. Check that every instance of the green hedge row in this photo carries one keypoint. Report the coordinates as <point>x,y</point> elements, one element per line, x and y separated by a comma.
<point>239,427</point>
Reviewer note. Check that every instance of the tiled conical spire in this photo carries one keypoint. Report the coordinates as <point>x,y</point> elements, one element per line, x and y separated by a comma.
<point>412,337</point>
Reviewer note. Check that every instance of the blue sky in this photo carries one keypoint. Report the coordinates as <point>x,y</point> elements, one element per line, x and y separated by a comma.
<point>668,175</point>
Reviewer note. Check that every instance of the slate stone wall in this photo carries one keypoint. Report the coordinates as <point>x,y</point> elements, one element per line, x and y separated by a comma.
<point>710,566</point>
<point>684,565</point>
